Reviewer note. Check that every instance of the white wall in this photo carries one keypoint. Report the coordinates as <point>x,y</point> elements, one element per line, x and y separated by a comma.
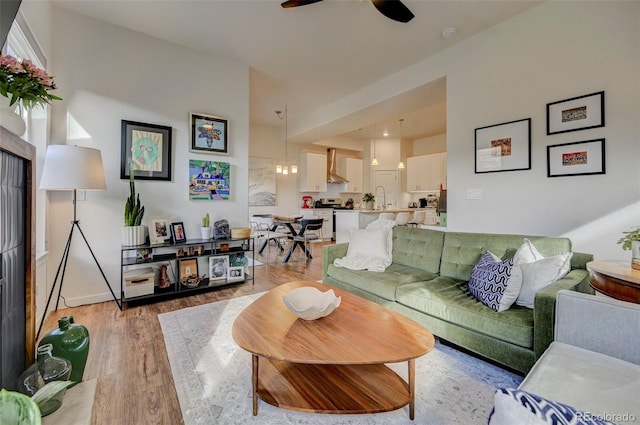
<point>555,51</point>
<point>429,145</point>
<point>106,74</point>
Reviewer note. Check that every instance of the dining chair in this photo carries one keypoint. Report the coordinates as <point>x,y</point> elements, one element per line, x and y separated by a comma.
<point>417,218</point>
<point>262,233</point>
<point>402,218</point>
<point>310,232</point>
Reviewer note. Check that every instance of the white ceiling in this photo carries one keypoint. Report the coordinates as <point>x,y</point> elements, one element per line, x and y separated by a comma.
<point>311,56</point>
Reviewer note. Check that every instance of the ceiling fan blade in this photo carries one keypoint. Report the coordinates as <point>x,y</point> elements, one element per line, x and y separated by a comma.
<point>393,9</point>
<point>296,3</point>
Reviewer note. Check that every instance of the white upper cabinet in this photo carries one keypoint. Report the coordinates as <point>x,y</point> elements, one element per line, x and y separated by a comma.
<point>313,172</point>
<point>427,172</point>
<point>352,170</point>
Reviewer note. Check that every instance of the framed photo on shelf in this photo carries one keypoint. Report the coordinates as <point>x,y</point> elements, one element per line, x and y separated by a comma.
<point>576,159</point>
<point>145,148</point>
<point>577,113</point>
<point>177,233</point>
<point>237,259</point>
<point>159,229</point>
<point>236,274</point>
<point>209,134</point>
<point>188,269</point>
<point>218,267</point>
<point>503,147</point>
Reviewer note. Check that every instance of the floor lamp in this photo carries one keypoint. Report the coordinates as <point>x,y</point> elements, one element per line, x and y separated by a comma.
<point>68,167</point>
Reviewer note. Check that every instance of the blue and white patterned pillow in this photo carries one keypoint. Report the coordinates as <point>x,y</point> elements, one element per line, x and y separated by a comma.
<point>513,406</point>
<point>489,280</point>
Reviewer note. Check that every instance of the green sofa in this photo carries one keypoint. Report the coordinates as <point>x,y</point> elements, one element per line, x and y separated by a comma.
<point>427,282</point>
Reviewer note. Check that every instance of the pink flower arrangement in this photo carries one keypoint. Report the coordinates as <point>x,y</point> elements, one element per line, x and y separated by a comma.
<point>25,82</point>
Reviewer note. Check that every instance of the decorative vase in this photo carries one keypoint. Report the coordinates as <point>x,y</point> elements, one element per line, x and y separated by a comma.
<point>9,119</point>
<point>635,255</point>
<point>205,232</point>
<point>368,205</point>
<point>70,341</point>
<point>134,235</point>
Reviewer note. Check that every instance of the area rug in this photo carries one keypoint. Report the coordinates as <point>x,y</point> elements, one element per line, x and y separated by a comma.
<point>213,378</point>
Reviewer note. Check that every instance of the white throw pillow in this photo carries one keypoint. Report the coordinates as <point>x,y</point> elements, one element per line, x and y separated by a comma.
<point>540,274</point>
<point>527,253</point>
<point>368,243</point>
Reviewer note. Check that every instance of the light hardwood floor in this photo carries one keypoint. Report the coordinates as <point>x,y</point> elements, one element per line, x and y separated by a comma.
<point>127,354</point>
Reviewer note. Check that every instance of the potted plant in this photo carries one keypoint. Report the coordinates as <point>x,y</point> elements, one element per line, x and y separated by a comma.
<point>205,229</point>
<point>368,199</point>
<point>133,232</point>
<point>23,83</point>
<point>631,241</point>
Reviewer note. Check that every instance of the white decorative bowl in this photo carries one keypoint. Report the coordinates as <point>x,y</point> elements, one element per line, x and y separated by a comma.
<point>310,303</point>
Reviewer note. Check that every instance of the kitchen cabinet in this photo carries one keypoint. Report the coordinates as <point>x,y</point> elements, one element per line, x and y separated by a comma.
<point>427,172</point>
<point>352,170</point>
<point>313,172</point>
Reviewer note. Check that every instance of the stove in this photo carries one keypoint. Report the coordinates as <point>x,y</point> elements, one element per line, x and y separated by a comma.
<point>335,203</point>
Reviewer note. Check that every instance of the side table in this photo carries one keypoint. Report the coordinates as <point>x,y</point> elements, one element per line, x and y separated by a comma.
<point>615,279</point>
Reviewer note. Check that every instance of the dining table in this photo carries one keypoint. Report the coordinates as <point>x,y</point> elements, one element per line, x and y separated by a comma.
<point>290,223</point>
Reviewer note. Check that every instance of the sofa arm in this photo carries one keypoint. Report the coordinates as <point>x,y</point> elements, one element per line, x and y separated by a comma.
<point>544,306</point>
<point>600,324</point>
<point>330,253</point>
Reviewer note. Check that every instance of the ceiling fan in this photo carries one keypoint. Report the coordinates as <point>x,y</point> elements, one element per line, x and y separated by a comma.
<point>392,9</point>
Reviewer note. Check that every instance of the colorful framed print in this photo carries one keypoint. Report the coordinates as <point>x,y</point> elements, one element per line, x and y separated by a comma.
<point>577,113</point>
<point>576,159</point>
<point>209,134</point>
<point>177,233</point>
<point>503,147</point>
<point>218,267</point>
<point>145,149</point>
<point>159,229</point>
<point>209,180</point>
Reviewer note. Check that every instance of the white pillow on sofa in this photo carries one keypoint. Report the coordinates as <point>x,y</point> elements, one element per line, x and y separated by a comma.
<point>368,243</point>
<point>540,274</point>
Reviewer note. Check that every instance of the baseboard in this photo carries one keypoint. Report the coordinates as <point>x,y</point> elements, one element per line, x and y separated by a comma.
<point>89,299</point>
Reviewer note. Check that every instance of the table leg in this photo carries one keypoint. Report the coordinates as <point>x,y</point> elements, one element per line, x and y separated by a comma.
<point>412,387</point>
<point>254,382</point>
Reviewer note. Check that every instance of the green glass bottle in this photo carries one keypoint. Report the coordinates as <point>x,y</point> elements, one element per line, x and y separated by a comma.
<point>70,341</point>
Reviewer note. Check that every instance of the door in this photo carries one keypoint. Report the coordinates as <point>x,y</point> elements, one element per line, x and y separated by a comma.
<point>387,179</point>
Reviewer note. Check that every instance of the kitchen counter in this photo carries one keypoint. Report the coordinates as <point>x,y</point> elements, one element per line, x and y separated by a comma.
<point>346,220</point>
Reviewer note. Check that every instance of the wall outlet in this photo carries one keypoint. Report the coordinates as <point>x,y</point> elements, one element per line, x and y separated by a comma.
<point>81,195</point>
<point>474,193</point>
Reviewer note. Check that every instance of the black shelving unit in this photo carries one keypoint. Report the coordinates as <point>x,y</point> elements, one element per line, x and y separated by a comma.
<point>133,257</point>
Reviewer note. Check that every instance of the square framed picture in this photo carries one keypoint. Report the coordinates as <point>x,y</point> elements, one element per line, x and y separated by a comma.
<point>145,149</point>
<point>236,274</point>
<point>577,113</point>
<point>159,229</point>
<point>209,134</point>
<point>177,233</point>
<point>503,147</point>
<point>576,159</point>
<point>218,267</point>
<point>188,269</point>
<point>237,259</point>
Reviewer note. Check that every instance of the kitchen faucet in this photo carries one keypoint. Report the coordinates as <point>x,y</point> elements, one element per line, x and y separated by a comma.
<point>384,196</point>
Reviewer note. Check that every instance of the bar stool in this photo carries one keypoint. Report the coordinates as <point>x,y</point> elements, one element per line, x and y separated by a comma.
<point>417,219</point>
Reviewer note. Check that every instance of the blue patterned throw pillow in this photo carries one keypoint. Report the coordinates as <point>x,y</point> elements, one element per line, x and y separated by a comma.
<point>489,280</point>
<point>513,406</point>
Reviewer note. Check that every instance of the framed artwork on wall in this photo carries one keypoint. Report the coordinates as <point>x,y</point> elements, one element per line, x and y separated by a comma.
<point>576,159</point>
<point>262,182</point>
<point>209,134</point>
<point>145,148</point>
<point>577,113</point>
<point>209,180</point>
<point>159,229</point>
<point>503,147</point>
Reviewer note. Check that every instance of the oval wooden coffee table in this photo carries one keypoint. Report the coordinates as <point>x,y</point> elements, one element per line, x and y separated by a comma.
<point>335,364</point>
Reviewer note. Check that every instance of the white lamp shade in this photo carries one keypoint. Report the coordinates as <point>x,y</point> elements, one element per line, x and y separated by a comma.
<point>68,167</point>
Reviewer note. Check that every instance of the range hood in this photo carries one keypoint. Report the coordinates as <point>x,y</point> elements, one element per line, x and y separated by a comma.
<point>332,177</point>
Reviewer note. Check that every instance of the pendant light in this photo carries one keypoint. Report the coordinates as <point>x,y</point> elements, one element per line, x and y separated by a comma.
<point>401,164</point>
<point>374,160</point>
<point>284,169</point>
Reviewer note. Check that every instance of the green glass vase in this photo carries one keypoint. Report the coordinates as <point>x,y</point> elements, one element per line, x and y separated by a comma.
<point>70,341</point>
